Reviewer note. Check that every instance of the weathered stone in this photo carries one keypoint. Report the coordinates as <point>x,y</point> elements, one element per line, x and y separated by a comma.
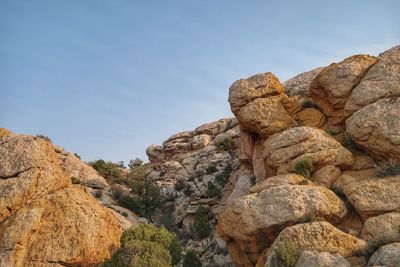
<point>244,91</point>
<point>300,84</point>
<point>376,128</point>
<point>326,176</point>
<point>80,232</point>
<point>319,237</point>
<point>283,150</point>
<point>253,221</point>
<point>4,132</point>
<point>381,81</point>
<point>387,256</point>
<point>155,153</point>
<point>382,229</point>
<point>310,117</point>
<point>332,86</point>
<point>374,196</point>
<point>321,259</point>
<point>278,180</point>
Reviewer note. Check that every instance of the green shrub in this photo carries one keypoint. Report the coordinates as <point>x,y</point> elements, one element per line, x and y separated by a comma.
<point>188,191</point>
<point>124,214</point>
<point>388,167</point>
<point>304,167</point>
<point>44,137</point>
<point>134,163</point>
<point>131,203</point>
<point>348,141</point>
<point>156,244</point>
<point>109,170</point>
<point>75,180</point>
<point>201,222</point>
<point>227,144</point>
<point>76,155</point>
<point>212,190</point>
<point>287,254</point>
<point>211,169</point>
<point>191,260</point>
<point>223,177</point>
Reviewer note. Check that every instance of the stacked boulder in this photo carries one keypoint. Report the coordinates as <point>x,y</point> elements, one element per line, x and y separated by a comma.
<point>342,118</point>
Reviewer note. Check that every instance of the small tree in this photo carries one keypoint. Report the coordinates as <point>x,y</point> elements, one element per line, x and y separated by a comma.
<point>212,190</point>
<point>304,167</point>
<point>109,170</point>
<point>201,222</point>
<point>134,163</point>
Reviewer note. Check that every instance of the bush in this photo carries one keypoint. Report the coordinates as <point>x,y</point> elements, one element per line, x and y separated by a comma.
<point>76,155</point>
<point>131,203</point>
<point>75,180</point>
<point>227,144</point>
<point>124,214</point>
<point>287,254</point>
<point>191,260</point>
<point>201,222</point>
<point>134,163</point>
<point>188,191</point>
<point>148,194</point>
<point>109,170</point>
<point>223,177</point>
<point>388,167</point>
<point>212,190</point>
<point>304,167</point>
<point>44,137</point>
<point>348,141</point>
<point>211,169</point>
<point>157,244</point>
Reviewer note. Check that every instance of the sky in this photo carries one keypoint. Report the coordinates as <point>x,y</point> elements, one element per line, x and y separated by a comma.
<point>105,79</point>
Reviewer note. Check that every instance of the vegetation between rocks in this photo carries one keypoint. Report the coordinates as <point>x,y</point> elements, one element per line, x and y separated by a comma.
<point>304,167</point>
<point>191,260</point>
<point>201,222</point>
<point>287,254</point>
<point>388,167</point>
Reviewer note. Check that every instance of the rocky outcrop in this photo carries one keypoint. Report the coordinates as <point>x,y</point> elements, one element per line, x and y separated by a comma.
<point>40,206</point>
<point>253,221</point>
<point>283,150</point>
<point>381,81</point>
<point>321,259</point>
<point>332,86</point>
<point>382,229</point>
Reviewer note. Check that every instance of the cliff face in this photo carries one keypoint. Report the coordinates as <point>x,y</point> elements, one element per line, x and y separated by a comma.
<point>45,220</point>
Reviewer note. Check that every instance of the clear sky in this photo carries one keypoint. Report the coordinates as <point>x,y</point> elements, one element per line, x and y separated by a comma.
<point>105,79</point>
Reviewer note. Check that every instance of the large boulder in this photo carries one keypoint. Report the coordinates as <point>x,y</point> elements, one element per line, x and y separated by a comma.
<point>260,104</point>
<point>67,227</point>
<point>381,81</point>
<point>387,256</point>
<point>382,229</point>
<point>253,221</point>
<point>373,196</point>
<point>376,128</point>
<point>316,236</point>
<point>333,85</point>
<point>44,220</point>
<point>321,259</point>
<point>284,149</point>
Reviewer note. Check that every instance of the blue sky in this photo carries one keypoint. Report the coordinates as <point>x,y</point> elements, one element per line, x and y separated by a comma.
<point>105,79</point>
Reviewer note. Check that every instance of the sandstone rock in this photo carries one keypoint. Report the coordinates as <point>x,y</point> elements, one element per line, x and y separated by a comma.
<point>374,196</point>
<point>310,117</point>
<point>244,91</point>
<point>376,128</point>
<point>259,168</point>
<point>326,176</point>
<point>29,169</point>
<point>4,132</point>
<point>254,220</point>
<point>74,167</point>
<point>283,179</point>
<point>321,259</point>
<point>67,227</point>
<point>216,127</point>
<point>155,153</point>
<point>200,141</point>
<point>382,229</point>
<point>333,85</point>
<point>265,116</point>
<point>300,84</point>
<point>242,178</point>
<point>362,162</point>
<point>381,81</point>
<point>387,256</point>
<point>318,237</point>
<point>283,150</point>
<point>246,146</point>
